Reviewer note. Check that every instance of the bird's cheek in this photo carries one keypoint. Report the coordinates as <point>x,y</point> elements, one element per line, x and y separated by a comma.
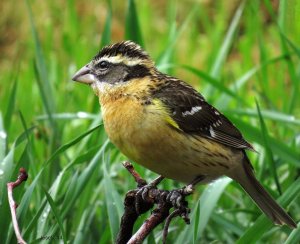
<point>101,87</point>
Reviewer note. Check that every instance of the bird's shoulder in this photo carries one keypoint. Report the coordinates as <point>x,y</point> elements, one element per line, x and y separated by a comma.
<point>194,115</point>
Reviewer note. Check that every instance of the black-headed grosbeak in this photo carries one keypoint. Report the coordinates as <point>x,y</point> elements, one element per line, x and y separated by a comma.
<point>162,123</point>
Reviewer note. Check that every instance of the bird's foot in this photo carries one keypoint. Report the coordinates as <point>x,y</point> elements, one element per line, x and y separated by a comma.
<point>147,193</point>
<point>177,197</point>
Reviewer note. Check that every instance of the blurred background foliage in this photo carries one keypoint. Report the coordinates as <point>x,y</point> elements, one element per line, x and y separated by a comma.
<point>242,55</point>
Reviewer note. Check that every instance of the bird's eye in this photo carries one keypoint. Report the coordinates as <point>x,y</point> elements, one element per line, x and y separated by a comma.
<point>103,65</point>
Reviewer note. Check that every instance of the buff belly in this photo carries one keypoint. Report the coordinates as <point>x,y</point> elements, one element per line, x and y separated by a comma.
<point>146,137</point>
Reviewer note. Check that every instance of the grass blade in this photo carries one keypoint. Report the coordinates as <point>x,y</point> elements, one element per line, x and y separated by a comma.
<point>209,200</point>
<point>270,157</point>
<point>294,237</point>
<point>7,167</point>
<point>214,82</point>
<point>3,137</point>
<point>83,229</point>
<point>34,220</point>
<point>57,215</point>
<point>68,116</point>
<point>273,115</point>
<point>196,224</point>
<point>27,196</point>
<point>132,27</point>
<point>228,40</point>
<point>45,87</point>
<point>78,185</point>
<point>64,147</point>
<point>281,149</point>
<point>106,33</point>
<point>165,58</point>
<point>114,202</point>
<point>10,107</point>
<point>289,19</point>
<point>227,225</point>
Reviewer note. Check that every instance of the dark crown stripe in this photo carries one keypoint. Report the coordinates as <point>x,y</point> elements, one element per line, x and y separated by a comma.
<point>127,48</point>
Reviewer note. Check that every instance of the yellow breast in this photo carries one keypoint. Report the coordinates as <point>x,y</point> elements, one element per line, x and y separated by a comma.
<point>122,123</point>
<point>133,127</point>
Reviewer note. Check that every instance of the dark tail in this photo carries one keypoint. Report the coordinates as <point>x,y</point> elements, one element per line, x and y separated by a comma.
<point>245,177</point>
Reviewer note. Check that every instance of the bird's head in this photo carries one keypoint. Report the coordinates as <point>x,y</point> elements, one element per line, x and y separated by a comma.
<point>116,65</point>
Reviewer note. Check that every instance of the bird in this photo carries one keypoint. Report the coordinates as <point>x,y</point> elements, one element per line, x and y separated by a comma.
<point>165,125</point>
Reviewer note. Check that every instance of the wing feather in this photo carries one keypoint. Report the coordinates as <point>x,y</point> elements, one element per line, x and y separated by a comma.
<point>194,115</point>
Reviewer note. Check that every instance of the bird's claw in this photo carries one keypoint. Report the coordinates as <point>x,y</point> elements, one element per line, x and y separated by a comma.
<point>180,205</point>
<point>143,195</point>
<point>177,197</point>
<point>143,192</point>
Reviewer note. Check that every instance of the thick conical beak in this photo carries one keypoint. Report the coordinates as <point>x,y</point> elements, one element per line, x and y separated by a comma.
<point>84,75</point>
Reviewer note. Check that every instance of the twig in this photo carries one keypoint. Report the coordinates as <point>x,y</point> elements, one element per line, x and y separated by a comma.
<point>138,179</point>
<point>174,214</point>
<point>13,205</point>
<point>131,212</point>
<point>156,181</point>
<point>128,219</point>
<point>158,216</point>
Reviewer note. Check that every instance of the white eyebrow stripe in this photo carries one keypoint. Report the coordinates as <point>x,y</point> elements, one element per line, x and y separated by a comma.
<point>120,59</point>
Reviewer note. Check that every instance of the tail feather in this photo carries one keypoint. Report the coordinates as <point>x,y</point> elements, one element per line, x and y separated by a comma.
<point>245,177</point>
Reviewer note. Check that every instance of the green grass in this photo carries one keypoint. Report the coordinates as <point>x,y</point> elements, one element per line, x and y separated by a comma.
<point>243,57</point>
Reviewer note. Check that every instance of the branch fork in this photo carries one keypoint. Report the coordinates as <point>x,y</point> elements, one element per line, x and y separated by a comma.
<point>142,199</point>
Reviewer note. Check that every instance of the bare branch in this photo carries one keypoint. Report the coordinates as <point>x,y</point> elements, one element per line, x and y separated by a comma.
<point>13,205</point>
<point>142,199</point>
<point>158,216</point>
<point>174,214</point>
<point>138,179</point>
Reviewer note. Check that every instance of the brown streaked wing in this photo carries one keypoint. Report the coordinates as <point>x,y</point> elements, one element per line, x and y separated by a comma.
<point>195,116</point>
